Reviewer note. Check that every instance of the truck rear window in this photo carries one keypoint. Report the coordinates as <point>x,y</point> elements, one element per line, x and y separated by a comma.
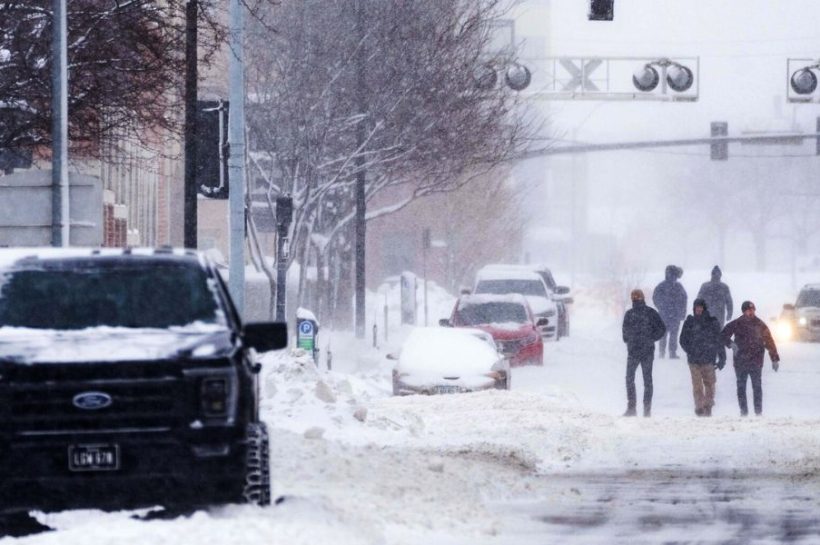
<point>158,296</point>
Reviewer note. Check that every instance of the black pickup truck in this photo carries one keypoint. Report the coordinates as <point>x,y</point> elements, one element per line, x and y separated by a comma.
<point>127,379</point>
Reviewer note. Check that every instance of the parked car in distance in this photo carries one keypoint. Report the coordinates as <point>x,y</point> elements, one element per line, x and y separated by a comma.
<point>508,319</point>
<point>504,281</point>
<point>801,320</point>
<point>559,294</point>
<point>127,380</point>
<point>438,360</point>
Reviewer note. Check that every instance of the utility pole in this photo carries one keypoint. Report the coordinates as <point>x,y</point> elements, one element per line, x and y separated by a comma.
<point>60,213</point>
<point>360,175</point>
<point>236,159</point>
<point>191,77</point>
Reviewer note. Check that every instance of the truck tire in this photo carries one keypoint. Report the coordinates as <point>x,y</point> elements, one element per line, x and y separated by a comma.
<point>257,488</point>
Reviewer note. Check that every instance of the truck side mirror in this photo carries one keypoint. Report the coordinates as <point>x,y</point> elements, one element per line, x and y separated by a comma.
<point>265,336</point>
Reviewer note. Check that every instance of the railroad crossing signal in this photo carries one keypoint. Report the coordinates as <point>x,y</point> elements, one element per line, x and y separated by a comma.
<point>580,70</point>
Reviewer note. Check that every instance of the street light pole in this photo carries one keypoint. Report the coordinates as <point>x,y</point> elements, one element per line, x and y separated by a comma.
<point>360,177</point>
<point>236,159</point>
<point>60,213</point>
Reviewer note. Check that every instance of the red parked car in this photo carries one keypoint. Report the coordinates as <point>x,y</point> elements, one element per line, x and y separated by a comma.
<point>508,319</point>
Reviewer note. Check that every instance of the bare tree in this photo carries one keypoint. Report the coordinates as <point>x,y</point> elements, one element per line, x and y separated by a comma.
<point>125,61</point>
<point>428,127</point>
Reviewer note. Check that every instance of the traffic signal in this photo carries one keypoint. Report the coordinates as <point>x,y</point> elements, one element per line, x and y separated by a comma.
<point>720,150</point>
<point>601,10</point>
<point>211,148</point>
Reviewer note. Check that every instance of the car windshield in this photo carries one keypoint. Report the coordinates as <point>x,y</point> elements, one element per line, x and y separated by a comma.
<point>808,298</point>
<point>489,313</point>
<point>503,287</point>
<point>70,298</point>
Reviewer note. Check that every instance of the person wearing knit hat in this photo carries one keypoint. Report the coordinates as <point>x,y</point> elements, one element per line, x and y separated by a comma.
<point>642,327</point>
<point>749,337</point>
<point>700,339</point>
<point>717,296</point>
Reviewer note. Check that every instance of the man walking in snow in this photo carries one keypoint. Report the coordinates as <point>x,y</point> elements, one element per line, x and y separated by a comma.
<point>718,297</point>
<point>642,327</point>
<point>749,337</point>
<point>700,339</point>
<point>670,300</point>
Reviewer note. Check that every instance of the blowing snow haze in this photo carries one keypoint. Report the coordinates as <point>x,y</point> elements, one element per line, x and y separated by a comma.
<point>457,272</point>
<point>657,199</point>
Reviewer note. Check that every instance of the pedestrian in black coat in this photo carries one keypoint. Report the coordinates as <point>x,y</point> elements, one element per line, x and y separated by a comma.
<point>642,327</point>
<point>670,300</point>
<point>749,337</point>
<point>700,339</point>
<point>718,297</point>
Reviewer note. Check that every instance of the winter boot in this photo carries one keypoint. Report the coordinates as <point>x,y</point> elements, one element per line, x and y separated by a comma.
<point>707,411</point>
<point>647,410</point>
<point>673,356</point>
<point>630,411</point>
<point>699,412</point>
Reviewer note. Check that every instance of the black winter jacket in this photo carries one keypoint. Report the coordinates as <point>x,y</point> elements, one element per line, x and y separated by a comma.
<point>752,337</point>
<point>642,328</point>
<point>700,339</point>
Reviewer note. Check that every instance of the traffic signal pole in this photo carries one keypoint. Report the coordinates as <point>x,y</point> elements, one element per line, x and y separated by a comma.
<point>236,159</point>
<point>772,138</point>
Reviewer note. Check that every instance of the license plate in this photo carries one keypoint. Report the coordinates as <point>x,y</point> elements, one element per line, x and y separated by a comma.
<point>448,389</point>
<point>93,457</point>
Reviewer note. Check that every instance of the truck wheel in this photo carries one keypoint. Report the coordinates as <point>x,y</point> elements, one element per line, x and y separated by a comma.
<point>257,465</point>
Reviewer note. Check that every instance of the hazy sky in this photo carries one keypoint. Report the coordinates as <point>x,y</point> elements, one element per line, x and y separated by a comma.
<point>742,46</point>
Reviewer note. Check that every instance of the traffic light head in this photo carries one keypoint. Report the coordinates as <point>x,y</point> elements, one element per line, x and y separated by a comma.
<point>601,10</point>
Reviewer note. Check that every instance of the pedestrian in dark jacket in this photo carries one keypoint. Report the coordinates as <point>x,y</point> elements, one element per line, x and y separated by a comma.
<point>670,300</point>
<point>700,339</point>
<point>717,296</point>
<point>642,327</point>
<point>749,337</point>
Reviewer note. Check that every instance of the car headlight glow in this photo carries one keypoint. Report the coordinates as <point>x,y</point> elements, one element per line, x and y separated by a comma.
<point>784,331</point>
<point>802,321</point>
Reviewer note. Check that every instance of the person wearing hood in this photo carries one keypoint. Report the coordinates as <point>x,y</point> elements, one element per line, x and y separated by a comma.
<point>642,327</point>
<point>700,339</point>
<point>670,300</point>
<point>717,296</point>
<point>749,337</point>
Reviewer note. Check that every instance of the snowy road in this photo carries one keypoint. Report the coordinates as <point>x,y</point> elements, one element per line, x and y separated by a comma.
<point>670,507</point>
<point>549,462</point>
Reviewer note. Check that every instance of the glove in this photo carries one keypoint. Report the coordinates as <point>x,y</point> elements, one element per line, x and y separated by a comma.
<point>776,365</point>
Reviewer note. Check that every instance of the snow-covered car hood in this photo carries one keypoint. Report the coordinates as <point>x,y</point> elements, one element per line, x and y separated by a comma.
<point>508,331</point>
<point>540,305</point>
<point>100,344</point>
<point>445,352</point>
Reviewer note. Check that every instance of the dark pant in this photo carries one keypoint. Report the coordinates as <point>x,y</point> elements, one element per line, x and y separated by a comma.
<point>670,337</point>
<point>755,373</point>
<point>632,363</point>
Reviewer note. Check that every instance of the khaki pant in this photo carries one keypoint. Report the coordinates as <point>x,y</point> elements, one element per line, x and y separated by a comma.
<point>703,385</point>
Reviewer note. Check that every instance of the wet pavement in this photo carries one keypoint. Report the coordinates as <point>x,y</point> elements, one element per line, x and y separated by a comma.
<point>670,507</point>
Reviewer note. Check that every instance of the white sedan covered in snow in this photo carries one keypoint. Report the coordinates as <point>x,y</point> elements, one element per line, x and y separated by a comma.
<point>445,361</point>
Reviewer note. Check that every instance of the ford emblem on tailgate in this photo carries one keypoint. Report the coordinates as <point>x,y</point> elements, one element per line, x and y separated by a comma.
<point>91,401</point>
